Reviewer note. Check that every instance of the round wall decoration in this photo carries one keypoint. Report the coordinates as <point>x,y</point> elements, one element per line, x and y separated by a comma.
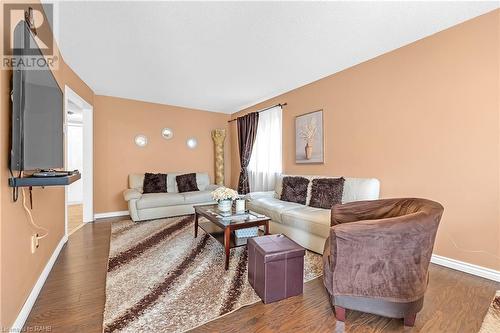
<point>141,140</point>
<point>192,143</point>
<point>167,133</point>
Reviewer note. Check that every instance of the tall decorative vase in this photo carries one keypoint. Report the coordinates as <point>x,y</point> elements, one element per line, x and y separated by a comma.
<point>309,151</point>
<point>225,205</point>
<point>219,135</point>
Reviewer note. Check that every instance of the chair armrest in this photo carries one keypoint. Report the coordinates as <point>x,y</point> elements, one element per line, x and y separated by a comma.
<point>385,258</point>
<point>256,195</point>
<point>131,194</point>
<point>380,209</point>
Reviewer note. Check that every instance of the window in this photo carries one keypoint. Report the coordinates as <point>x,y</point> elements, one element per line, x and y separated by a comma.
<point>265,162</point>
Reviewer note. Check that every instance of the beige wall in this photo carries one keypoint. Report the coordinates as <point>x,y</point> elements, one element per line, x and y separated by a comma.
<point>19,268</point>
<point>117,121</point>
<point>424,119</point>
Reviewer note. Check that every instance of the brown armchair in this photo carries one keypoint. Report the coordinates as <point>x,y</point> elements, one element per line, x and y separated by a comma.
<point>377,255</point>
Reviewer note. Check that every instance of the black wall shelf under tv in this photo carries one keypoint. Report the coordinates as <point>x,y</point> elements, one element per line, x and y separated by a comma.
<point>44,181</point>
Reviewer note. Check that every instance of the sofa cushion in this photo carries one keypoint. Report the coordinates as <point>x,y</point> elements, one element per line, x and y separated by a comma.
<point>153,200</point>
<point>295,189</point>
<point>355,189</point>
<point>313,220</point>
<point>197,197</point>
<point>136,180</point>
<point>271,207</point>
<point>278,187</point>
<point>326,192</point>
<point>154,183</point>
<point>186,183</point>
<point>202,180</point>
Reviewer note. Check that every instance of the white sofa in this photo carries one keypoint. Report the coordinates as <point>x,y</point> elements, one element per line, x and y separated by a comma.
<point>172,203</point>
<point>308,226</point>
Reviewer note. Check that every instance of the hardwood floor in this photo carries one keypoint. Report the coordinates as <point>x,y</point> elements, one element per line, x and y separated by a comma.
<point>72,299</point>
<point>454,302</point>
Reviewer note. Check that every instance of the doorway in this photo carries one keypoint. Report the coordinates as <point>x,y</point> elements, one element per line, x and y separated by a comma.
<point>78,156</point>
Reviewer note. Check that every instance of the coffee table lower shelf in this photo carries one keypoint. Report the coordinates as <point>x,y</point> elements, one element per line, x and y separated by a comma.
<point>223,231</point>
<point>218,234</point>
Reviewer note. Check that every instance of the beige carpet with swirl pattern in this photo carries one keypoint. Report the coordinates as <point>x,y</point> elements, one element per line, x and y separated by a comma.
<point>491,322</point>
<point>161,279</point>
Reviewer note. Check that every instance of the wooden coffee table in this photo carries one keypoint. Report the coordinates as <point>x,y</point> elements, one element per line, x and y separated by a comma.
<point>222,229</point>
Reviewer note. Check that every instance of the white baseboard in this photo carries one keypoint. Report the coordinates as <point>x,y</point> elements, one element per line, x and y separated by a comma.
<point>30,301</point>
<point>458,265</point>
<point>110,214</point>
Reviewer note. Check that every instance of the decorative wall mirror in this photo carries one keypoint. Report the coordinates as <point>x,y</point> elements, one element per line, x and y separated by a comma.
<point>141,140</point>
<point>167,133</point>
<point>192,143</point>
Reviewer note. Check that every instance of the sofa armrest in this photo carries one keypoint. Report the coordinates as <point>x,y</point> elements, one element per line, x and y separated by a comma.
<point>385,258</point>
<point>131,194</point>
<point>257,195</point>
<point>212,187</point>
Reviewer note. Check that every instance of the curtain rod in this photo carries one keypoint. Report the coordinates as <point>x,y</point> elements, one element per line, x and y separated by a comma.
<point>261,110</point>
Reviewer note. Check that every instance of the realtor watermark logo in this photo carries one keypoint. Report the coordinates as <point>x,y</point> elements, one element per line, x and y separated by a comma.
<point>29,42</point>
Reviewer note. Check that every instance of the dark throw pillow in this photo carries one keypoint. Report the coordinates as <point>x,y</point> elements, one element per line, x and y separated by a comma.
<point>295,189</point>
<point>326,192</point>
<point>154,183</point>
<point>187,182</point>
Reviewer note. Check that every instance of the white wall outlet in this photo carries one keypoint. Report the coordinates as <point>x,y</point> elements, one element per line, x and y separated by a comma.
<point>34,243</point>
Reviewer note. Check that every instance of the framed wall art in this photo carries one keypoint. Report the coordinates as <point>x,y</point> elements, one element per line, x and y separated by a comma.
<point>309,138</point>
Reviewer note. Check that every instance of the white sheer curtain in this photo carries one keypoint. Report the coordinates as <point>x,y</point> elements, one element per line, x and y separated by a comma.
<point>265,162</point>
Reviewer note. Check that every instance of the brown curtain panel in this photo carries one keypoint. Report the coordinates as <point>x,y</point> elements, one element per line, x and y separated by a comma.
<point>247,131</point>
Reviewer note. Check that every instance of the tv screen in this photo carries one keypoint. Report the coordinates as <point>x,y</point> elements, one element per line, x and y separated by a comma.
<point>37,113</point>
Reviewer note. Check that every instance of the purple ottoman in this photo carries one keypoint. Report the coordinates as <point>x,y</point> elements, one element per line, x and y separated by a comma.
<point>275,267</point>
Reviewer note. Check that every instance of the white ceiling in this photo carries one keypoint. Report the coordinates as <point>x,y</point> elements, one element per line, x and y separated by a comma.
<point>224,56</point>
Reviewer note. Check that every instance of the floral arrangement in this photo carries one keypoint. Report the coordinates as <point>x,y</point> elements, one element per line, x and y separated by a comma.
<point>308,132</point>
<point>224,193</point>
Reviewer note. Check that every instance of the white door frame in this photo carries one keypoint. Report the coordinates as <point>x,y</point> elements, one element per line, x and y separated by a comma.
<point>88,153</point>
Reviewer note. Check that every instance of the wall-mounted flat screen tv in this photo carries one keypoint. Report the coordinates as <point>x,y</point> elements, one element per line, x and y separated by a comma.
<point>37,112</point>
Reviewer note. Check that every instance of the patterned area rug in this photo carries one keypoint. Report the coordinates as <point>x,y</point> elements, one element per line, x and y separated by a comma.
<point>491,323</point>
<point>161,279</point>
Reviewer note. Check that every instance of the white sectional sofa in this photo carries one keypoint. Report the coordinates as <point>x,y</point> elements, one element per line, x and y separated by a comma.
<point>308,226</point>
<point>157,205</point>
